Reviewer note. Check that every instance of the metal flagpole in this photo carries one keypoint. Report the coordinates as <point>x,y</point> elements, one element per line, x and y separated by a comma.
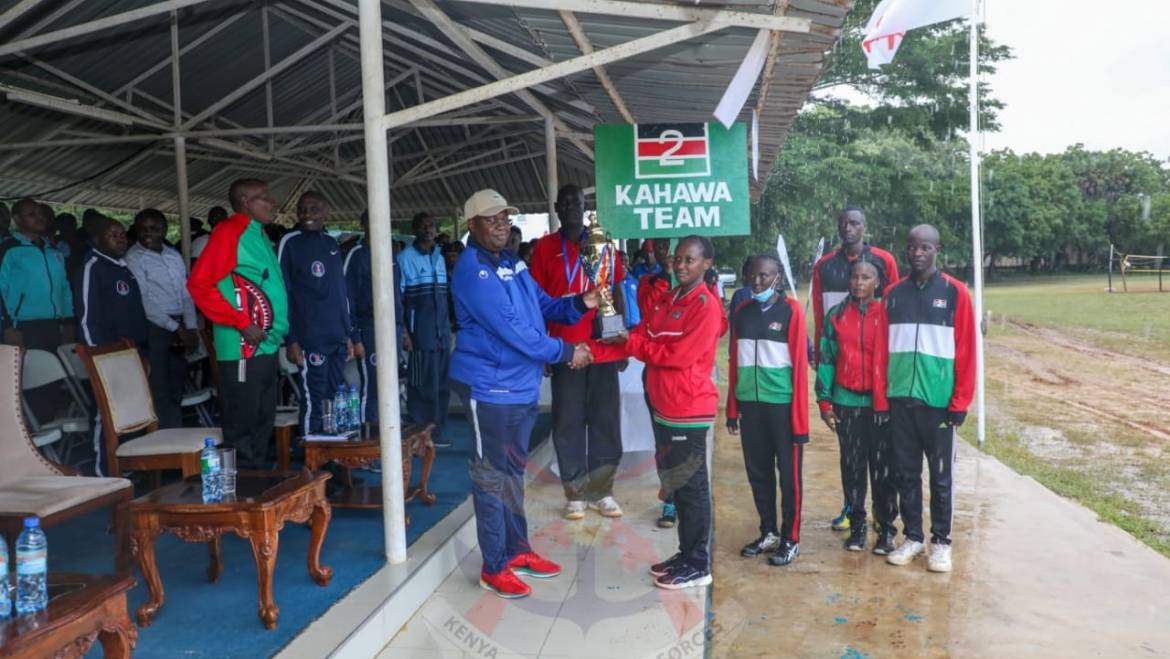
<point>378,198</point>
<point>977,228</point>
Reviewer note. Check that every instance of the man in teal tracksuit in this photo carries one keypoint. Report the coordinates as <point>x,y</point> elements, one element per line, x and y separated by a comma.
<point>37,303</point>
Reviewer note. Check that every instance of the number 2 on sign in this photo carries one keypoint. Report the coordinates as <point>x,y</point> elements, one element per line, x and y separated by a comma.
<point>666,160</point>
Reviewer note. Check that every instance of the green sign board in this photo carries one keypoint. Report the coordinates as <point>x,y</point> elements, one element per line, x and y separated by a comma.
<point>671,180</point>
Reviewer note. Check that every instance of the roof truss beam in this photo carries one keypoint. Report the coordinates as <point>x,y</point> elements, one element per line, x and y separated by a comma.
<point>660,12</point>
<point>586,48</point>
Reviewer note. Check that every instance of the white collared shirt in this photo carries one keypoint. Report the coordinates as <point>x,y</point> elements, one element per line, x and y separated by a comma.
<point>163,280</point>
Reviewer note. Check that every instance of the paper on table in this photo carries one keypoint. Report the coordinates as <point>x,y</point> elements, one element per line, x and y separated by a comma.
<point>339,437</point>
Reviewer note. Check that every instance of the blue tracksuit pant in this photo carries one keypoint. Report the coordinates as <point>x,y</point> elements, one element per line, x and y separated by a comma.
<point>427,393</point>
<point>497,476</point>
<point>323,371</point>
<point>368,374</point>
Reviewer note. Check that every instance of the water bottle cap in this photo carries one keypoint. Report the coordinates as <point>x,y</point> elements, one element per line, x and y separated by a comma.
<point>32,522</point>
<point>208,442</point>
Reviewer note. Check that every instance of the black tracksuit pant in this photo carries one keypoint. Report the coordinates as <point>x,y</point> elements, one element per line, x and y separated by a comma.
<point>168,372</point>
<point>587,431</point>
<point>681,457</point>
<point>766,437</point>
<point>866,453</point>
<point>249,409</point>
<point>919,430</point>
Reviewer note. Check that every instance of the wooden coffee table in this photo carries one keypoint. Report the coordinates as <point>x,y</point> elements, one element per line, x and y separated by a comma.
<point>264,502</point>
<point>82,609</point>
<point>356,454</point>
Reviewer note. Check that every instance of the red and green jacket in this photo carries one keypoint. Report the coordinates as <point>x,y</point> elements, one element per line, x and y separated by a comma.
<point>237,281</point>
<point>677,342</point>
<point>931,338</point>
<point>853,357</point>
<point>769,360</point>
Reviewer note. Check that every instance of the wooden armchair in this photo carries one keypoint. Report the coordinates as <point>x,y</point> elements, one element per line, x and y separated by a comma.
<point>122,391</point>
<point>31,485</point>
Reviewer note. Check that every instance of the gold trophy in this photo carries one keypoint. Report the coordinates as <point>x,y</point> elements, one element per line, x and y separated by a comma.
<point>599,260</point>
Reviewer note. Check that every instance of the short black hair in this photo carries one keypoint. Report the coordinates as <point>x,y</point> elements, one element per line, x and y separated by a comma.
<point>238,188</point>
<point>150,214</point>
<point>705,243</point>
<point>516,229</point>
<point>418,219</point>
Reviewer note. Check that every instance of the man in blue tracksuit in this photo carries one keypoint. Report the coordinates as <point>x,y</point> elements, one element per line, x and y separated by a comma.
<point>359,283</point>
<point>497,366</point>
<point>320,330</point>
<point>109,298</point>
<point>36,303</point>
<point>424,300</point>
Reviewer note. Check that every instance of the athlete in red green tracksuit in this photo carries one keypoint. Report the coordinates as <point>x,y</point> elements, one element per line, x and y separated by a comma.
<point>767,394</point>
<point>930,382</point>
<point>851,394</point>
<point>237,284</point>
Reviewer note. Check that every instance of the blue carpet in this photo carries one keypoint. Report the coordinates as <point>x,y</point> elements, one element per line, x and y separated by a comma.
<point>200,619</point>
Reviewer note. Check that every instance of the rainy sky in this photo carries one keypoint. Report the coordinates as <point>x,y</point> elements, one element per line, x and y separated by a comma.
<point>1085,71</point>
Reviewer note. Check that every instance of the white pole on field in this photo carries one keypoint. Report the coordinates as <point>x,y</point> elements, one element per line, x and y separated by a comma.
<point>381,259</point>
<point>977,228</point>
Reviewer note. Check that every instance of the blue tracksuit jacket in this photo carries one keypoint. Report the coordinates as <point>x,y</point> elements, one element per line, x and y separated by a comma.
<point>502,311</point>
<point>33,283</point>
<point>424,298</point>
<point>359,282</point>
<point>110,302</point>
<point>318,304</point>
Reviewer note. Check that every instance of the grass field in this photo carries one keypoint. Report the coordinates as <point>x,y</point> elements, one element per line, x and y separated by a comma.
<point>1078,388</point>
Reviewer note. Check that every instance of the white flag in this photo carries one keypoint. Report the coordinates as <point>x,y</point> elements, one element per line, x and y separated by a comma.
<point>894,18</point>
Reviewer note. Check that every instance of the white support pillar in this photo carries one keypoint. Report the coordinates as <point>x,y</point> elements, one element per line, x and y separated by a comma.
<point>550,172</point>
<point>381,257</point>
<point>180,146</point>
<point>977,229</point>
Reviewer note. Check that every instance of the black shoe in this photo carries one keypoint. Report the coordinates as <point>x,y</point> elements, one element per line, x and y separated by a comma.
<point>684,575</point>
<point>660,569</point>
<point>761,545</point>
<point>787,553</point>
<point>856,541</point>
<point>885,544</point>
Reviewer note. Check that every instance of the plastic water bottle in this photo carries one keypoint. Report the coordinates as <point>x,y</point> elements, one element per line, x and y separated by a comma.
<point>211,472</point>
<point>341,409</point>
<point>32,568</point>
<point>5,599</point>
<point>355,408</point>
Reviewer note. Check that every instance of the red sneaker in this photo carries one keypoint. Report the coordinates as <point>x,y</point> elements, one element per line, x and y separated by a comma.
<point>504,583</point>
<point>534,566</point>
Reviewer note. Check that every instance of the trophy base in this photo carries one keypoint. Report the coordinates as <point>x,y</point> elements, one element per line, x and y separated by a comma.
<point>608,327</point>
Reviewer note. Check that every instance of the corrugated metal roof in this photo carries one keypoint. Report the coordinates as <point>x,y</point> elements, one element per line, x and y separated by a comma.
<point>682,82</point>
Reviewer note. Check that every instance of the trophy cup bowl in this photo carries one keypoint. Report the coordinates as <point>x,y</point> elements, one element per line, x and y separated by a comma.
<point>599,259</point>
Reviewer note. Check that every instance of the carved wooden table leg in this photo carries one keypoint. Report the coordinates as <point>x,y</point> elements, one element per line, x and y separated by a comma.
<point>215,562</point>
<point>118,640</point>
<point>265,542</point>
<point>143,545</point>
<point>320,524</point>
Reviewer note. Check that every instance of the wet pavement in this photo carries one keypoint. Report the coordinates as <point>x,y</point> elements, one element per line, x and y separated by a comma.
<point>1034,575</point>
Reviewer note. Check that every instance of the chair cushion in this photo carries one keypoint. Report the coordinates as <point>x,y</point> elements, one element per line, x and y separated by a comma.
<point>171,440</point>
<point>45,495</point>
<point>285,419</point>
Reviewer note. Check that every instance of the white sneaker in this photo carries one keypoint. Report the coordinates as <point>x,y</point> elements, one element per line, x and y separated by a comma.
<point>575,510</point>
<point>940,558</point>
<point>607,507</point>
<point>905,552</point>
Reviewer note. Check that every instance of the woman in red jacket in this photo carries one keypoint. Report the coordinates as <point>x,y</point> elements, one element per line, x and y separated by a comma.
<point>851,394</point>
<point>677,343</point>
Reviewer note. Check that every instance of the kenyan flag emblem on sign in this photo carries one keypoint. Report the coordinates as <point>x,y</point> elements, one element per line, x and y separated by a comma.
<point>671,151</point>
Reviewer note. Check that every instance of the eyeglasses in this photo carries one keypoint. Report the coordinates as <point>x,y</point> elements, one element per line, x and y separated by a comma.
<point>496,221</point>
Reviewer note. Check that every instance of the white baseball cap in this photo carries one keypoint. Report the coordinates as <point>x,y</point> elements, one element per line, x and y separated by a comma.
<point>486,203</point>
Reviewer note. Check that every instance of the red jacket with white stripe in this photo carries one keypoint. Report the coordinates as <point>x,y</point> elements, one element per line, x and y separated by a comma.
<point>677,342</point>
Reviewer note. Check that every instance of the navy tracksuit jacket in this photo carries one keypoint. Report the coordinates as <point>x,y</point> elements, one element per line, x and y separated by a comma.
<point>318,315</point>
<point>359,283</point>
<point>110,302</point>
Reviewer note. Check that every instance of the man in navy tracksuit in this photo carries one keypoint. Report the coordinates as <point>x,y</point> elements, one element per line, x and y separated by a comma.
<point>320,329</point>
<point>497,366</point>
<point>424,300</point>
<point>359,283</point>
<point>108,295</point>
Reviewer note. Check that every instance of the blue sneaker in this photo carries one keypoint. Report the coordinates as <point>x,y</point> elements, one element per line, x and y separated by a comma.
<point>841,522</point>
<point>669,516</point>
